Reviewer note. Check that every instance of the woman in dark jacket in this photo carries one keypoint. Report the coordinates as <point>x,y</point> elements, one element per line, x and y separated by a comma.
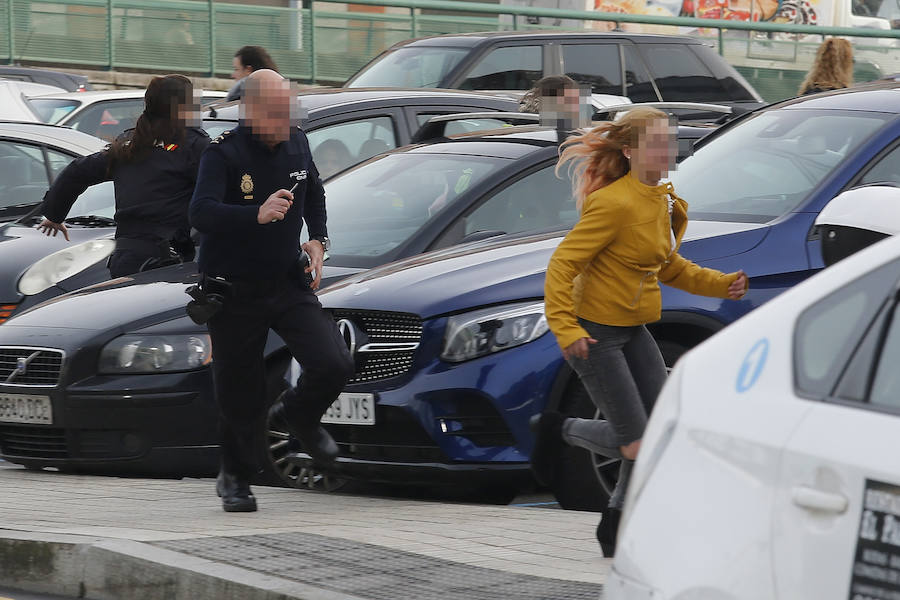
<point>153,168</point>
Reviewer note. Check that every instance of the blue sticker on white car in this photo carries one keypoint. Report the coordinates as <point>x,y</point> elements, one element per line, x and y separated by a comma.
<point>752,367</point>
<point>876,564</point>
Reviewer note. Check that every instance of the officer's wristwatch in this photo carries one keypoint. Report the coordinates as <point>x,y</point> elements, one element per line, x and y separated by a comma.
<point>326,243</point>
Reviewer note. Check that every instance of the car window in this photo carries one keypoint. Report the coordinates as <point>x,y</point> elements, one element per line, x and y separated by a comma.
<point>736,87</point>
<point>107,120</point>
<point>508,68</point>
<point>680,76</point>
<point>336,147</point>
<point>376,207</point>
<point>829,331</point>
<point>886,170</point>
<point>536,201</point>
<point>52,110</point>
<point>23,174</point>
<point>466,125</point>
<point>411,67</point>
<point>597,65</point>
<point>216,128</point>
<point>97,200</point>
<point>769,163</point>
<point>637,80</point>
<point>886,384</point>
<point>57,161</point>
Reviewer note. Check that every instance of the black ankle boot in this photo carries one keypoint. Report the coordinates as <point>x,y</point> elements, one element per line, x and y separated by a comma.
<point>608,530</point>
<point>316,442</point>
<point>548,445</point>
<point>235,492</point>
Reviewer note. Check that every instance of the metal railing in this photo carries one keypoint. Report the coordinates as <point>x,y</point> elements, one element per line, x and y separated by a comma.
<point>329,41</point>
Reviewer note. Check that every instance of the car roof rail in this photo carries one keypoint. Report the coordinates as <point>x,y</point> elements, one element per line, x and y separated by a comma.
<point>700,107</point>
<point>436,127</point>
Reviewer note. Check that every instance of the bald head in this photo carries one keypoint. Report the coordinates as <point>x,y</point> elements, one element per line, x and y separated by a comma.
<point>268,106</point>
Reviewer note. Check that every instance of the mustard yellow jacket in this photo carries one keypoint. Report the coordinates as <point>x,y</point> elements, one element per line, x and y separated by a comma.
<point>625,243</point>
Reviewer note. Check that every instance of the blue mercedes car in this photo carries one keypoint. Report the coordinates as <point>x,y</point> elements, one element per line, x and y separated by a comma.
<point>464,357</point>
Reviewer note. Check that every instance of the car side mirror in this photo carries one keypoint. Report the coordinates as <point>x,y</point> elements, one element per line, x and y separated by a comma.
<point>858,218</point>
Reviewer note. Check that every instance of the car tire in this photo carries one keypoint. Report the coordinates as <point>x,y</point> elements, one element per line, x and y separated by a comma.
<point>585,480</point>
<point>278,448</point>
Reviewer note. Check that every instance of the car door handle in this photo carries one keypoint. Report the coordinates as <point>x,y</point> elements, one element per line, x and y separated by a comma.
<point>813,499</point>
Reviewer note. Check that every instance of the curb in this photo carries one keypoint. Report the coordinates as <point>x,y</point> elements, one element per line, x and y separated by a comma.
<point>113,569</point>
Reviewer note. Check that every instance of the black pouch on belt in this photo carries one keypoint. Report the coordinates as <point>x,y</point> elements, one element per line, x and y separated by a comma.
<point>208,297</point>
<point>299,268</point>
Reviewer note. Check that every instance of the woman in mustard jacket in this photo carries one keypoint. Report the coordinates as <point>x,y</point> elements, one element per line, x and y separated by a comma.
<point>602,288</point>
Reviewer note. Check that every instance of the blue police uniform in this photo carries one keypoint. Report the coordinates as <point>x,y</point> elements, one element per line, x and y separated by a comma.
<point>152,196</point>
<point>267,290</point>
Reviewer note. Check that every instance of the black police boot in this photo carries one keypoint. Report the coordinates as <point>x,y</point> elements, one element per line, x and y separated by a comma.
<point>235,492</point>
<point>608,530</point>
<point>316,442</point>
<point>548,445</point>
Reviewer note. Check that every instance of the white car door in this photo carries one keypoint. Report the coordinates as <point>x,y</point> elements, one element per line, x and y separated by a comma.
<point>836,532</point>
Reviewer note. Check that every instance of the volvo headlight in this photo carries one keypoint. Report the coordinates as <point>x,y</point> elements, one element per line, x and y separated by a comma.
<point>60,265</point>
<point>489,330</point>
<point>156,353</point>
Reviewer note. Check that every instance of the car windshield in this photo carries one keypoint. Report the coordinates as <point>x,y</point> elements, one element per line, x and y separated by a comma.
<point>52,110</point>
<point>410,67</point>
<point>98,200</point>
<point>379,205</point>
<point>767,165</point>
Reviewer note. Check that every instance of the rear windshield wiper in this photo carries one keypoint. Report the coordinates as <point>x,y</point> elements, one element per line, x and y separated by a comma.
<point>91,221</point>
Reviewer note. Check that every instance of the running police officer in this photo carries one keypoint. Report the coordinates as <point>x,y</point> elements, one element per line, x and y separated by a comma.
<point>153,168</point>
<point>256,186</point>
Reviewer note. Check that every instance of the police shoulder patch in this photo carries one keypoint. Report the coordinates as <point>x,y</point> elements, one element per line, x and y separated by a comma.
<point>221,137</point>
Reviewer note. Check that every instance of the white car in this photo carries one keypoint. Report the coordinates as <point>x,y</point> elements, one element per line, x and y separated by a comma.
<point>102,113</point>
<point>14,95</point>
<point>770,468</point>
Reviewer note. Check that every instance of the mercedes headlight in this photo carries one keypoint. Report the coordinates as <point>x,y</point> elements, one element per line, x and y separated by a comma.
<point>60,265</point>
<point>489,330</point>
<point>156,353</point>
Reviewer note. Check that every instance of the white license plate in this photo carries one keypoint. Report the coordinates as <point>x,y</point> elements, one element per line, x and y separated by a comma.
<point>19,408</point>
<point>351,409</point>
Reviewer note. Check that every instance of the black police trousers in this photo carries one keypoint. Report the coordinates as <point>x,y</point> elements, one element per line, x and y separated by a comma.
<point>239,331</point>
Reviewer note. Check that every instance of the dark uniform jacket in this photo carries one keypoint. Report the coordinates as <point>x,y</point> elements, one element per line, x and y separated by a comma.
<point>152,193</point>
<point>237,174</point>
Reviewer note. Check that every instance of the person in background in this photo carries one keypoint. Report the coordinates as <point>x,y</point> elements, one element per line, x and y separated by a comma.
<point>832,68</point>
<point>332,156</point>
<point>245,61</point>
<point>602,289</point>
<point>153,168</point>
<point>553,85</point>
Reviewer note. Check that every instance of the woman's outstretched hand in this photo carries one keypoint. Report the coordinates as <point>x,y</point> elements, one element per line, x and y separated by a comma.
<point>49,228</point>
<point>578,348</point>
<point>737,289</point>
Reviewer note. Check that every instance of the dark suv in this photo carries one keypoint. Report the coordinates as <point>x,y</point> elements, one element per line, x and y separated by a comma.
<point>645,68</point>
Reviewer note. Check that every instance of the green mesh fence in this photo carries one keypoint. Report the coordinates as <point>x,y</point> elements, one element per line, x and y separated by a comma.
<point>330,42</point>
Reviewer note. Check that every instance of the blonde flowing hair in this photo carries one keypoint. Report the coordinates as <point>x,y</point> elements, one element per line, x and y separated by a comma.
<point>594,158</point>
<point>833,67</point>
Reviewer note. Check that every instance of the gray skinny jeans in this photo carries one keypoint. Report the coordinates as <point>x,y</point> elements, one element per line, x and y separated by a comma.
<point>623,375</point>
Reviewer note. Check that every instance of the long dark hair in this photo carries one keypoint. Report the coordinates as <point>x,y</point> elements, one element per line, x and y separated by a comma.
<point>160,121</point>
<point>256,58</point>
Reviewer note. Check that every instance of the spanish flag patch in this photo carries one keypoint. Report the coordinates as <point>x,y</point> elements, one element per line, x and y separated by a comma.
<point>171,147</point>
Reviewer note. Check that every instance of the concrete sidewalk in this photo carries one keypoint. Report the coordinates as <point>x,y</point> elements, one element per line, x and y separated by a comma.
<point>123,539</point>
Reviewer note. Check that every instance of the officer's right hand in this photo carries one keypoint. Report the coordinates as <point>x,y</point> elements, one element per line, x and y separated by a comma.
<point>275,207</point>
<point>49,228</point>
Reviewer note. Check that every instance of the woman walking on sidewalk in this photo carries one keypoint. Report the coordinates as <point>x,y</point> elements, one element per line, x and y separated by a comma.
<point>602,288</point>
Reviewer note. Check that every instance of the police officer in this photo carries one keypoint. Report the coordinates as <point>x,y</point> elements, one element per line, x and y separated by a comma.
<point>250,220</point>
<point>153,168</point>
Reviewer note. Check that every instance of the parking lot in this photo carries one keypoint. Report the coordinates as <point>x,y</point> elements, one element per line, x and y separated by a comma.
<point>767,468</point>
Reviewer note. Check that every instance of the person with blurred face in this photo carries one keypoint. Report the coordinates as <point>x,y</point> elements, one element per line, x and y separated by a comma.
<point>153,168</point>
<point>257,185</point>
<point>602,289</point>
<point>245,61</point>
